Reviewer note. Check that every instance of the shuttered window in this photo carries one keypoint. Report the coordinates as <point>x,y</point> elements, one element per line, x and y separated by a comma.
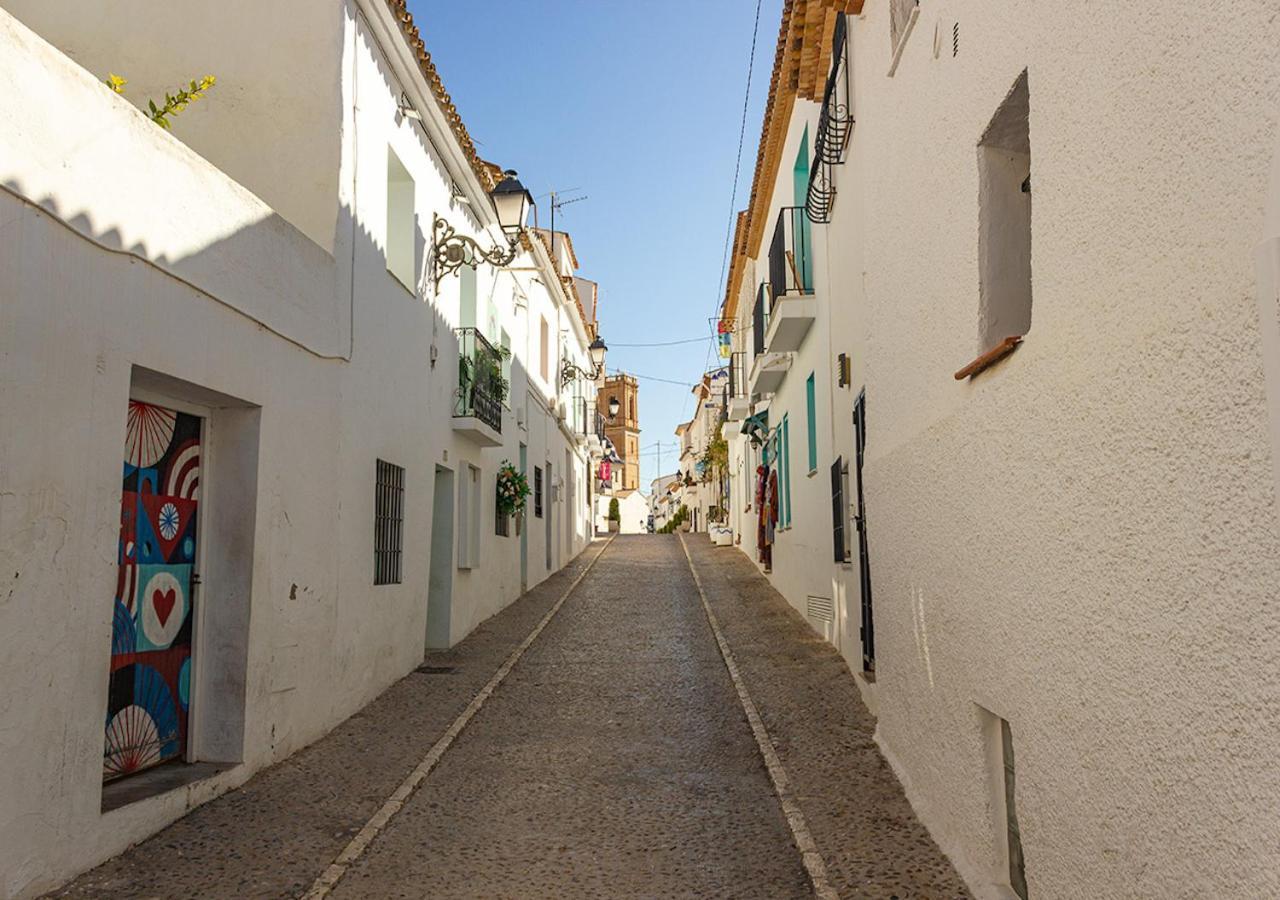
<point>811,405</point>
<point>537,491</point>
<point>784,477</point>
<point>837,511</point>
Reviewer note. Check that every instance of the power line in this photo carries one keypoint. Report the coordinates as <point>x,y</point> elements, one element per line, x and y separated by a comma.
<point>666,343</point>
<point>655,378</point>
<point>737,171</point>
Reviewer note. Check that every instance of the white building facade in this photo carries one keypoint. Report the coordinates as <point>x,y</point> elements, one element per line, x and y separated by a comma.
<point>1004,316</point>
<point>313,422</point>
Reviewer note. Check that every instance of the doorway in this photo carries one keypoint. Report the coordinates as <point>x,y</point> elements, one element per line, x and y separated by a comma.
<point>867,632</point>
<point>547,515</point>
<point>570,517</point>
<point>149,685</point>
<point>440,579</point>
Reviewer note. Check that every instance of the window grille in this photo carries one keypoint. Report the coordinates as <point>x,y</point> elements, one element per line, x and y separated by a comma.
<point>537,491</point>
<point>388,523</point>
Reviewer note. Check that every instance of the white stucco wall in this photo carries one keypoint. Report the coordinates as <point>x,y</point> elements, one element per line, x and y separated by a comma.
<point>272,120</point>
<point>310,367</point>
<point>1094,552</point>
<point>1084,539</point>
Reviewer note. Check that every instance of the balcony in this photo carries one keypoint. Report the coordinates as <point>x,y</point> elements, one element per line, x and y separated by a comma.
<point>768,371</point>
<point>788,294</point>
<point>738,402</point>
<point>482,388</point>
<point>835,124</point>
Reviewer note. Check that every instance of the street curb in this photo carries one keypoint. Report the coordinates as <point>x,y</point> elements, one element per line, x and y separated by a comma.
<point>809,853</point>
<point>391,807</point>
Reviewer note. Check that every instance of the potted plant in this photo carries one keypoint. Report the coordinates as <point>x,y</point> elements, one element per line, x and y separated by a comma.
<point>513,490</point>
<point>615,516</point>
<point>682,516</point>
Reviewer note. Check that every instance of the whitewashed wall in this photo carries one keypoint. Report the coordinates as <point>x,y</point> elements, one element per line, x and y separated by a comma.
<point>322,359</point>
<point>1084,539</point>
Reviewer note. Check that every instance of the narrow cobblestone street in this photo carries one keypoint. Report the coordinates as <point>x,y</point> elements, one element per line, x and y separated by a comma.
<point>614,760</point>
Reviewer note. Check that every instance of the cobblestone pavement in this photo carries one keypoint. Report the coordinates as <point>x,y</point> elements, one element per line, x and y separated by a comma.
<point>614,761</point>
<point>274,835</point>
<point>870,839</point>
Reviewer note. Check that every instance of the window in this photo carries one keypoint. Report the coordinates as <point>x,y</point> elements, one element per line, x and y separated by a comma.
<point>840,511</point>
<point>469,518</point>
<point>1004,221</point>
<point>784,476</point>
<point>544,348</point>
<point>902,19</point>
<point>501,523</point>
<point>537,491</point>
<point>401,223</point>
<point>1017,865</point>
<point>467,297</point>
<point>388,523</point>
<point>811,406</point>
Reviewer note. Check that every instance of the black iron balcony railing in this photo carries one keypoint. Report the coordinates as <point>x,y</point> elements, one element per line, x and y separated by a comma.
<point>737,375</point>
<point>760,318</point>
<point>790,255</point>
<point>482,387</point>
<point>835,123</point>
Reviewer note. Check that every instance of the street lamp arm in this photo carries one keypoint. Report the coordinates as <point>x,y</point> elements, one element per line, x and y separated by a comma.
<point>451,251</point>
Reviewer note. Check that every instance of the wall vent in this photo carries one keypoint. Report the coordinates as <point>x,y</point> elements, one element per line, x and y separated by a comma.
<point>955,40</point>
<point>821,609</point>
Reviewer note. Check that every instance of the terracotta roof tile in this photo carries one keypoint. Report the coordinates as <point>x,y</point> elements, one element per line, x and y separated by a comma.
<point>799,70</point>
<point>487,172</point>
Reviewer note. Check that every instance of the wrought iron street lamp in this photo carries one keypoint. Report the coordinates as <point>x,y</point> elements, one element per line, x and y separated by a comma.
<point>569,371</point>
<point>451,251</point>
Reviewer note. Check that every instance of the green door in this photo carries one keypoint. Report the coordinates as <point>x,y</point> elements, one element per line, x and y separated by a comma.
<point>800,191</point>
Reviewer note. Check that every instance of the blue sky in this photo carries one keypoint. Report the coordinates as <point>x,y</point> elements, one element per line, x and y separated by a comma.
<point>637,107</point>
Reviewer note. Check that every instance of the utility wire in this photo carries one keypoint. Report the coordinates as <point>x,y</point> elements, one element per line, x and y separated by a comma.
<point>655,378</point>
<point>737,171</point>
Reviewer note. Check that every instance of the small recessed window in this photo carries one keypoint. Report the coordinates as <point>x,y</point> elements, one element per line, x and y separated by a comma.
<point>1004,221</point>
<point>537,491</point>
<point>1017,866</point>
<point>388,523</point>
<point>401,223</point>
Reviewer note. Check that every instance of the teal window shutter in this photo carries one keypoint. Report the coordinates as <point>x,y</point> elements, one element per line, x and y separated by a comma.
<point>786,470</point>
<point>812,404</point>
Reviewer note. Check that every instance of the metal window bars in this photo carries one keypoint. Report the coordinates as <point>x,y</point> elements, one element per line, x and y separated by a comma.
<point>760,319</point>
<point>388,523</point>
<point>481,384</point>
<point>790,256</point>
<point>835,123</point>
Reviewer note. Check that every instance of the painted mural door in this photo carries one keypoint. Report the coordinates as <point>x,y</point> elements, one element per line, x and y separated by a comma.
<point>868,631</point>
<point>150,683</point>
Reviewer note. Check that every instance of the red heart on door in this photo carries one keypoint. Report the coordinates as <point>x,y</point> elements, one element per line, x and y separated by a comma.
<point>163,604</point>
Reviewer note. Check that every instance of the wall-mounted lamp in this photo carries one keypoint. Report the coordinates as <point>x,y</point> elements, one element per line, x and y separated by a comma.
<point>405,108</point>
<point>614,406</point>
<point>451,251</point>
<point>569,371</point>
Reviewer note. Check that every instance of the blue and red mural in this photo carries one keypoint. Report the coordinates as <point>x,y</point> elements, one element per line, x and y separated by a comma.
<point>151,629</point>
